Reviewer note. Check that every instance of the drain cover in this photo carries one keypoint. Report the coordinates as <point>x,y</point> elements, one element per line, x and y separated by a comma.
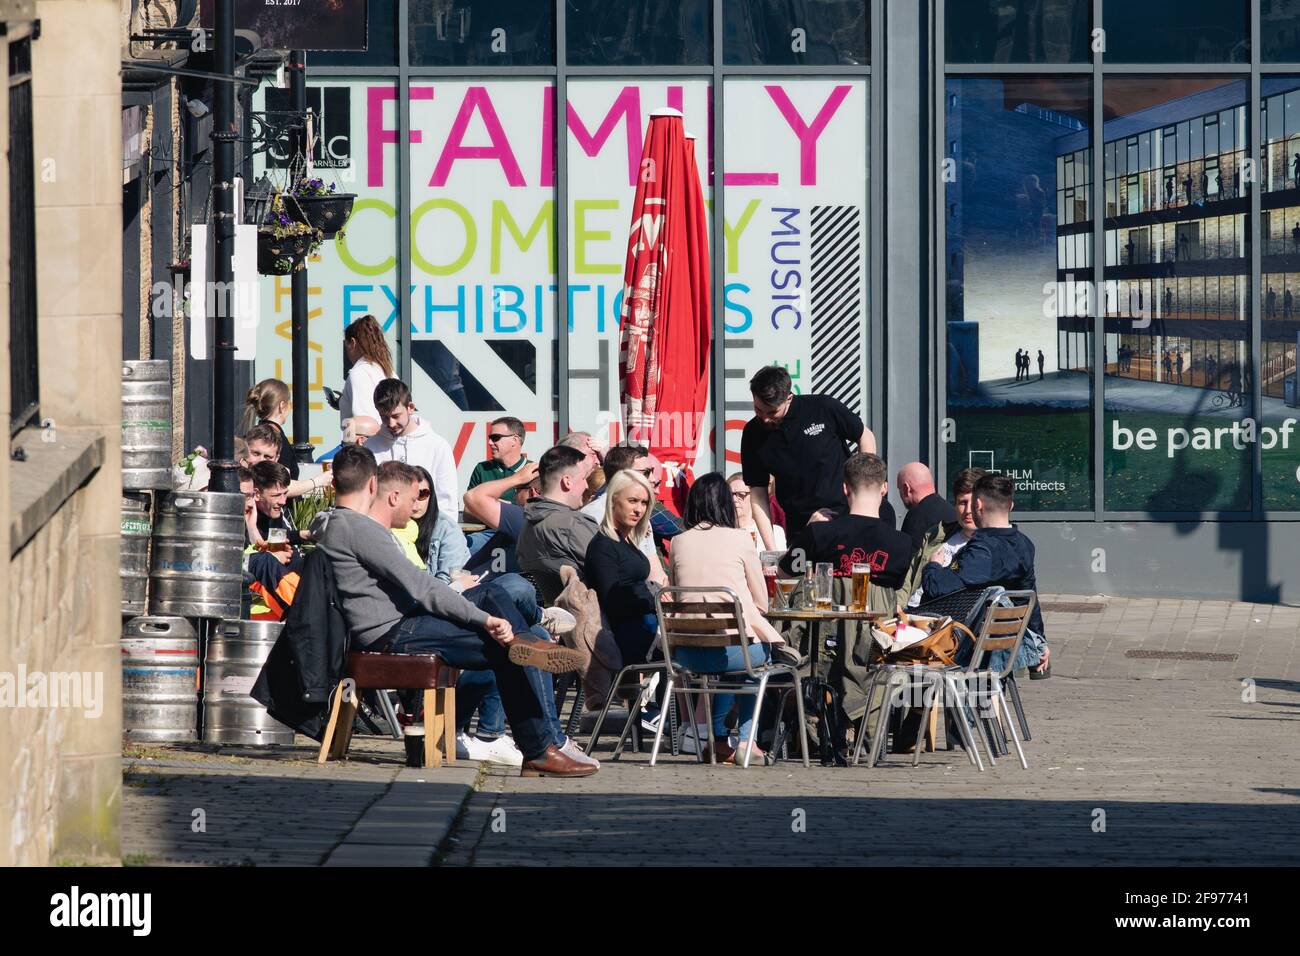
<point>1073,607</point>
<point>1180,656</point>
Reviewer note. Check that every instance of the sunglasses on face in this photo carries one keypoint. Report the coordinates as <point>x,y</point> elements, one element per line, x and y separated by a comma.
<point>498,438</point>
<point>423,494</point>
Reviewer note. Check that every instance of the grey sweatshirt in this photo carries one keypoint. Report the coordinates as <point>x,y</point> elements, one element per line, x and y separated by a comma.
<point>377,583</point>
<point>554,535</point>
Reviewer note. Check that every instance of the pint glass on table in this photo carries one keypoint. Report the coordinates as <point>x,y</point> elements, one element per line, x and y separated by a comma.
<point>861,587</point>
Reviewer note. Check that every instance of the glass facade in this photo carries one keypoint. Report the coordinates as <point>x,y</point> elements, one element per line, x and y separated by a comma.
<point>1137,365</point>
<point>1018,258</point>
<point>505,218</point>
<point>1197,295</point>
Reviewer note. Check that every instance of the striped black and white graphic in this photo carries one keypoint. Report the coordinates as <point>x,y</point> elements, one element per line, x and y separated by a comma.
<point>836,298</point>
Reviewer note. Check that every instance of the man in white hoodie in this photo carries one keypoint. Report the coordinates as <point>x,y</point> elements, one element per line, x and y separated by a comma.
<point>406,437</point>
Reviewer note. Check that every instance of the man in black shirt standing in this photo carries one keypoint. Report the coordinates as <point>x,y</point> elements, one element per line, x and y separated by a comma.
<point>802,441</point>
<point>858,537</point>
<point>925,506</point>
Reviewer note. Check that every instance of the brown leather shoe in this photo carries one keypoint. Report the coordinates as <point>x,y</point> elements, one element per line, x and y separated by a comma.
<point>527,650</point>
<point>553,763</point>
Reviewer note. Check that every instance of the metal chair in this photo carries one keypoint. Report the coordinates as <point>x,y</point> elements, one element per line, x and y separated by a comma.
<point>968,607</point>
<point>1003,629</point>
<point>713,617</point>
<point>628,683</point>
<point>900,682</point>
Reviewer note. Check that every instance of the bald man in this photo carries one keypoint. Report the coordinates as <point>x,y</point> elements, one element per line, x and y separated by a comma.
<point>925,506</point>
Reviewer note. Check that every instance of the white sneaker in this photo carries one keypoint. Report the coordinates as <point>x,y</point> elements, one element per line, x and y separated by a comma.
<point>574,752</point>
<point>502,750</point>
<point>558,621</point>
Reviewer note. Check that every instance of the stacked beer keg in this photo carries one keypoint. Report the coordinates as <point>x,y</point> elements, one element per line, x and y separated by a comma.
<point>182,562</point>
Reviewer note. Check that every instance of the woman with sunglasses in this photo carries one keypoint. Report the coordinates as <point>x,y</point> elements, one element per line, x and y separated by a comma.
<point>740,497</point>
<point>431,540</point>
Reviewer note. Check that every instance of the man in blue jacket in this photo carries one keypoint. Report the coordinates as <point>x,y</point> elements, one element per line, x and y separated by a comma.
<point>998,555</point>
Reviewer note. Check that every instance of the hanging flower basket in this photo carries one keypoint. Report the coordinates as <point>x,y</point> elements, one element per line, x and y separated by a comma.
<point>328,213</point>
<point>281,255</point>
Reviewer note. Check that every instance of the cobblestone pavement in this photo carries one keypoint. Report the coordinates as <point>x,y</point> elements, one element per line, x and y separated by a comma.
<point>1169,756</point>
<point>231,806</point>
<point>1188,759</point>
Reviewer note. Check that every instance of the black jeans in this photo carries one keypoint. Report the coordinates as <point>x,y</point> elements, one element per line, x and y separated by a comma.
<point>471,648</point>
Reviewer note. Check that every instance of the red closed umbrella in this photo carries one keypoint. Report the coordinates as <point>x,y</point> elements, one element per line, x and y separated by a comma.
<point>666,313</point>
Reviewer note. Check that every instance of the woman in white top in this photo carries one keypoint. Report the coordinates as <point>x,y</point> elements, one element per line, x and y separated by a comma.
<point>745,515</point>
<point>372,362</point>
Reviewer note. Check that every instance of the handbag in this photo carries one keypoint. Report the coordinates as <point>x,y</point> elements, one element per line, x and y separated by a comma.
<point>939,648</point>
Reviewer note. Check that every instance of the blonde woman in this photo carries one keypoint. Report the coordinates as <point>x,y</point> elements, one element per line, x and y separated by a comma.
<point>617,569</point>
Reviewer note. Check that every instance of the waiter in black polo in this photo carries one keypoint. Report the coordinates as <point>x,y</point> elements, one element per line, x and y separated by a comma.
<point>803,441</point>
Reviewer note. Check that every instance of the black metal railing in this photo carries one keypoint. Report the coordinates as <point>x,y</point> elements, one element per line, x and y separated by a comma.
<point>24,380</point>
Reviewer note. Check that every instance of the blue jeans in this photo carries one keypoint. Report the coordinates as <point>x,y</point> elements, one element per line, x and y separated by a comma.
<point>1031,651</point>
<point>477,690</point>
<point>526,693</point>
<point>521,592</point>
<point>717,660</point>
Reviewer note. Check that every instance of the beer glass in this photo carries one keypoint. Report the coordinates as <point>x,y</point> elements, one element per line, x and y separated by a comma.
<point>861,587</point>
<point>822,586</point>
<point>277,539</point>
<point>784,590</point>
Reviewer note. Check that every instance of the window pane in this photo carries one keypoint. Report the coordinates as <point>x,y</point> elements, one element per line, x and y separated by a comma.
<point>1011,292</point>
<point>481,33</point>
<point>354,274</point>
<point>381,42</point>
<point>1018,31</point>
<point>1177,31</point>
<point>1279,31</point>
<point>779,33</point>
<point>635,33</point>
<point>482,227</point>
<point>1176,359</point>
<point>607,122</point>
<point>797,255</point>
<point>1280,292</point>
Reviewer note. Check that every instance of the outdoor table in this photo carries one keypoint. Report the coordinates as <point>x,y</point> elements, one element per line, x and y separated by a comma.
<point>815,618</point>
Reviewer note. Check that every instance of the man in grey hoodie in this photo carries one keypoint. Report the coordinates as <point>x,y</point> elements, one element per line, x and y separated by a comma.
<point>408,438</point>
<point>391,605</point>
<point>555,531</point>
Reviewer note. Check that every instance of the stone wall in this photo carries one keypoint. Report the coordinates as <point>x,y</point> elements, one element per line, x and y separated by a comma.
<point>60,767</point>
<point>63,795</point>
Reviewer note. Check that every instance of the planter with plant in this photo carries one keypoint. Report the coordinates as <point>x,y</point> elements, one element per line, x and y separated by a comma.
<point>322,207</point>
<point>284,241</point>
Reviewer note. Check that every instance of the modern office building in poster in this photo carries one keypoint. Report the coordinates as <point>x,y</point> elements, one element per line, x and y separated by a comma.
<point>1059,239</point>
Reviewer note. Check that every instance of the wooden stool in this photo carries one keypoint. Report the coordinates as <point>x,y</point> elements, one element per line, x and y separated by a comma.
<point>384,672</point>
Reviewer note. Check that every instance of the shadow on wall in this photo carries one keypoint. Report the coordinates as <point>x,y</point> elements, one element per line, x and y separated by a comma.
<point>1248,539</point>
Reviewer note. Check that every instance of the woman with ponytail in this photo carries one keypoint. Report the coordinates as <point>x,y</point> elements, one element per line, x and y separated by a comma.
<point>268,404</point>
<point>372,362</point>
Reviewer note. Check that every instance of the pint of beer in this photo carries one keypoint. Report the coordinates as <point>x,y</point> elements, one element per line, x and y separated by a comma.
<point>277,539</point>
<point>861,587</point>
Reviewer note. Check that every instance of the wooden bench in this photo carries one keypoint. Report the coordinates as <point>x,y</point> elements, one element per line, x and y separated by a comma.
<point>384,672</point>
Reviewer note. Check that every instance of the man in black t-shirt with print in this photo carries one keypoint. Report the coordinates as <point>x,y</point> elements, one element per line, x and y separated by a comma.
<point>801,440</point>
<point>858,537</point>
